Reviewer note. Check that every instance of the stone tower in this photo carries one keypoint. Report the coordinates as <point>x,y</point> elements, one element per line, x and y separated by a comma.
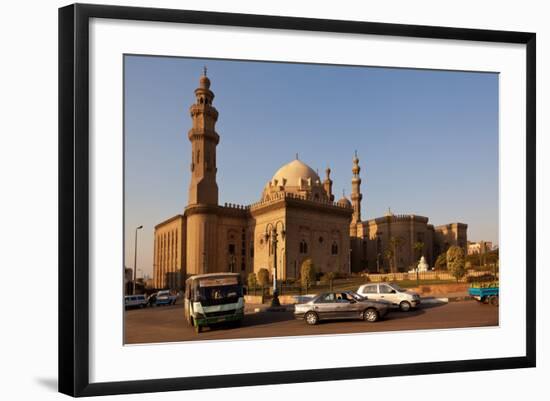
<point>327,185</point>
<point>356,195</point>
<point>204,139</point>
<point>201,212</point>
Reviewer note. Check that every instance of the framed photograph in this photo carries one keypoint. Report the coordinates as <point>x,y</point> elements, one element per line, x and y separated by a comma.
<point>251,199</point>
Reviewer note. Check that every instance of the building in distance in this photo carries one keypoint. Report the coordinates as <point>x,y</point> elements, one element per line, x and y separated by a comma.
<point>296,208</point>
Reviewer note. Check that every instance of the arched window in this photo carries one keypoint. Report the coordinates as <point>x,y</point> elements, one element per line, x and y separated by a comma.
<point>303,246</point>
<point>334,248</point>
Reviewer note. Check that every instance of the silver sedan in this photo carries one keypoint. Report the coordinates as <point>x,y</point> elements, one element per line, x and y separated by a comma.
<point>340,305</point>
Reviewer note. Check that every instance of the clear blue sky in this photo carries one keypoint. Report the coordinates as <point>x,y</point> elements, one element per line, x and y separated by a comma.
<point>427,140</point>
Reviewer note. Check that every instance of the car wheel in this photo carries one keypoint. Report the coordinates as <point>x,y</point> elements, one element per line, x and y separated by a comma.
<point>312,318</point>
<point>405,306</point>
<point>198,329</point>
<point>370,315</point>
<point>494,300</point>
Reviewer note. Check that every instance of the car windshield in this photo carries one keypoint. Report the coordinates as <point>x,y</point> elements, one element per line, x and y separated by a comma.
<point>218,294</point>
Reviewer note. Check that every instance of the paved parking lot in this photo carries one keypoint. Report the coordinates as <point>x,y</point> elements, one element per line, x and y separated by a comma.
<point>167,324</point>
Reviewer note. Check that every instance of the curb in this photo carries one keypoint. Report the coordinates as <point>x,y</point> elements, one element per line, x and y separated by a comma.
<point>439,300</point>
<point>433,301</point>
<point>462,298</point>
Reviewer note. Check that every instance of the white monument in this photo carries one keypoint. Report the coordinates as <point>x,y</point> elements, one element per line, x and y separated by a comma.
<point>422,265</point>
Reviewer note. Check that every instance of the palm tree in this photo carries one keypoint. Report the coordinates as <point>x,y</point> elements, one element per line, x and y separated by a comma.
<point>395,244</point>
<point>388,254</point>
<point>419,248</point>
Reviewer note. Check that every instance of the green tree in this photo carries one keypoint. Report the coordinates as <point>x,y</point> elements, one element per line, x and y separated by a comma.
<point>307,273</point>
<point>491,258</point>
<point>441,262</point>
<point>388,254</point>
<point>473,259</point>
<point>252,281</point>
<point>328,278</point>
<point>456,262</point>
<point>395,245</point>
<point>418,249</point>
<point>263,277</point>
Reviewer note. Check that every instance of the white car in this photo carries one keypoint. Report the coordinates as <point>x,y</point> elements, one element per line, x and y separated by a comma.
<point>164,297</point>
<point>404,299</point>
<point>135,301</point>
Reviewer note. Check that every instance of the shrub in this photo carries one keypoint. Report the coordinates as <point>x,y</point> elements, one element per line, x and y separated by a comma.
<point>456,262</point>
<point>483,278</point>
<point>251,280</point>
<point>441,262</point>
<point>307,273</point>
<point>263,277</point>
<point>328,277</point>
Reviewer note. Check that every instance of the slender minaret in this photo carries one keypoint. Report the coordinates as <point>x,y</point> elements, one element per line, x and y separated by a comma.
<point>327,184</point>
<point>201,211</point>
<point>356,191</point>
<point>203,188</point>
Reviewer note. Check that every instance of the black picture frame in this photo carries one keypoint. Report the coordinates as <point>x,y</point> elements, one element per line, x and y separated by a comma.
<point>74,198</point>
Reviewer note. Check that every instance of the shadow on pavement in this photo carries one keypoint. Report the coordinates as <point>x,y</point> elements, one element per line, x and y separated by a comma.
<point>257,319</point>
<point>396,314</point>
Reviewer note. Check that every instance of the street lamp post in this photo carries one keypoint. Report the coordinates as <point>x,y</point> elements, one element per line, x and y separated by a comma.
<point>349,260</point>
<point>273,235</point>
<point>135,259</point>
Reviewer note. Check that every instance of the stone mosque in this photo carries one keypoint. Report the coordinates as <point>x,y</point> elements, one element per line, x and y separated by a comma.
<point>296,207</point>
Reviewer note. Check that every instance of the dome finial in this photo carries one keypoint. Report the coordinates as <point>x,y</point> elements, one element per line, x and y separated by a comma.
<point>297,158</point>
<point>204,81</point>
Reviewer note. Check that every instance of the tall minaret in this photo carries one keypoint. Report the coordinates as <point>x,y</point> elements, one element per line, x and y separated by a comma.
<point>327,185</point>
<point>201,220</point>
<point>204,139</point>
<point>356,190</point>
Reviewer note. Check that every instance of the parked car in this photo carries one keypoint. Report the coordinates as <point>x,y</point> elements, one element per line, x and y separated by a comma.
<point>135,301</point>
<point>399,297</point>
<point>340,305</point>
<point>163,297</point>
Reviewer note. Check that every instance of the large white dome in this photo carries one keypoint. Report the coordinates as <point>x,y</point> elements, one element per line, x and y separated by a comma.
<point>291,173</point>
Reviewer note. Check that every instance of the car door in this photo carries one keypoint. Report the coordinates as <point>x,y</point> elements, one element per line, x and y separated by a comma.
<point>341,307</point>
<point>325,306</point>
<point>371,292</point>
<point>348,307</point>
<point>387,293</point>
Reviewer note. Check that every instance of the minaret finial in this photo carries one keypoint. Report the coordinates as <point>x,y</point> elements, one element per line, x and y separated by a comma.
<point>204,70</point>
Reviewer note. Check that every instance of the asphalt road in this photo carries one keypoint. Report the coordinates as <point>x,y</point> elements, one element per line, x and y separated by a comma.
<point>167,324</point>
